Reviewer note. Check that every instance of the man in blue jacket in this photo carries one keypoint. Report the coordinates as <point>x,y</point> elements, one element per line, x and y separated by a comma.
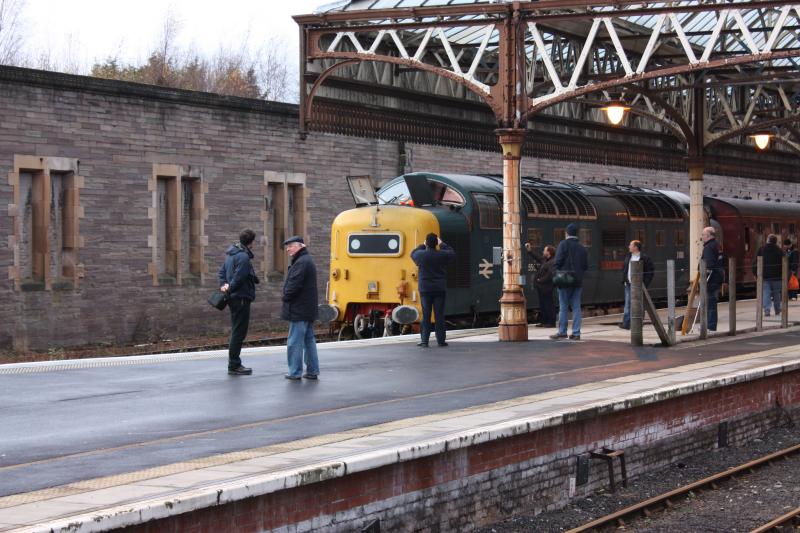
<point>432,265</point>
<point>571,257</point>
<point>300,309</point>
<point>238,280</point>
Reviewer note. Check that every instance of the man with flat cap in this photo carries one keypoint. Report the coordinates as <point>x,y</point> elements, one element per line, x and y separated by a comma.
<point>300,309</point>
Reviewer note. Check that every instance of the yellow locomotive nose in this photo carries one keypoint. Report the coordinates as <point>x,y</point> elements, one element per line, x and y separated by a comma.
<point>371,271</point>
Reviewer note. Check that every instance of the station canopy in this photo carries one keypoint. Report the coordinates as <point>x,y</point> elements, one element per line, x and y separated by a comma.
<point>705,71</point>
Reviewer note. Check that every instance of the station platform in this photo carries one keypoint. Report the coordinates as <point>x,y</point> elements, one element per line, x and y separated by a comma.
<point>390,431</point>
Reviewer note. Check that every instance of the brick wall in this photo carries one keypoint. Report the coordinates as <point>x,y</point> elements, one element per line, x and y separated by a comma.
<point>119,131</point>
<point>476,485</point>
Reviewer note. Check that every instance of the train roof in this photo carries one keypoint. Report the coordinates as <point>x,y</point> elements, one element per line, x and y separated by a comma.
<point>758,208</point>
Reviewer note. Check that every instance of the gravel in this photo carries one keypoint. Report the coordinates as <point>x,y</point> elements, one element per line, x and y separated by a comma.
<point>740,505</point>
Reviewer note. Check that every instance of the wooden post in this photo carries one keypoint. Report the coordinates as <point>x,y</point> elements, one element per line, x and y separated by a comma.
<point>732,296</point>
<point>759,293</point>
<point>671,302</point>
<point>784,292</point>
<point>637,304</point>
<point>703,301</point>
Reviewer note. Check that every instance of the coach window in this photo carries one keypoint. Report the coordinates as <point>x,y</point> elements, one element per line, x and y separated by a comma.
<point>660,240</point>
<point>680,238</point>
<point>746,239</point>
<point>759,228</point>
<point>535,238</point>
<point>792,229</point>
<point>776,228</point>
<point>585,236</point>
<point>490,214</point>
<point>559,234</point>
<point>638,235</point>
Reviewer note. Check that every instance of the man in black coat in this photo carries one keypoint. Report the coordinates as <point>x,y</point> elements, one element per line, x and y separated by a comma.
<point>543,281</point>
<point>432,265</point>
<point>634,254</point>
<point>773,273</point>
<point>715,270</point>
<point>238,280</point>
<point>300,309</point>
<point>794,261</point>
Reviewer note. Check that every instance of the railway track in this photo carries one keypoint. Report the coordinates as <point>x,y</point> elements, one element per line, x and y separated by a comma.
<point>667,500</point>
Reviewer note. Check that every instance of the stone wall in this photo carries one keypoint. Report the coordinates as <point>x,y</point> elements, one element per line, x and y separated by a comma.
<point>118,131</point>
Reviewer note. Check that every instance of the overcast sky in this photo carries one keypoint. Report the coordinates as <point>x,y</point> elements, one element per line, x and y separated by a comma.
<point>85,31</point>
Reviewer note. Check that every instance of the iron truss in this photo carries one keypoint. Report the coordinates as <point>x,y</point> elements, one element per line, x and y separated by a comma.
<point>706,71</point>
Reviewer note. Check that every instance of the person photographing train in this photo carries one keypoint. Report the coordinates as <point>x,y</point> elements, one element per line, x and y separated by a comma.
<point>543,281</point>
<point>432,264</point>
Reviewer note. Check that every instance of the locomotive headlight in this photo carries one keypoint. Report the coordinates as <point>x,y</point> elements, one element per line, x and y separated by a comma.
<point>375,244</point>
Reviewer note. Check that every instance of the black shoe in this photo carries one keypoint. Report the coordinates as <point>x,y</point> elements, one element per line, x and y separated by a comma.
<point>543,326</point>
<point>623,326</point>
<point>422,344</point>
<point>293,378</point>
<point>574,337</point>
<point>558,336</point>
<point>310,376</point>
<point>241,371</point>
<point>443,344</point>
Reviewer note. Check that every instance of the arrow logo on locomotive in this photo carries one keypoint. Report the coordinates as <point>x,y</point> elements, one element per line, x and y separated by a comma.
<point>485,268</point>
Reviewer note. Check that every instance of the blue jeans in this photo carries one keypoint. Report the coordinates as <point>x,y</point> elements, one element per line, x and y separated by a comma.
<point>712,291</point>
<point>569,297</point>
<point>626,313</point>
<point>435,301</point>
<point>302,346</point>
<point>772,287</point>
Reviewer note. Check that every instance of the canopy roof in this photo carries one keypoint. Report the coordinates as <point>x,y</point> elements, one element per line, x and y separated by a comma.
<point>706,71</point>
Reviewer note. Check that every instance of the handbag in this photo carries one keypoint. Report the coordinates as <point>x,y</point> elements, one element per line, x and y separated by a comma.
<point>564,279</point>
<point>218,299</point>
<point>794,283</point>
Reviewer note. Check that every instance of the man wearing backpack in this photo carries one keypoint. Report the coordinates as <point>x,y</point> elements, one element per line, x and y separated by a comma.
<point>571,263</point>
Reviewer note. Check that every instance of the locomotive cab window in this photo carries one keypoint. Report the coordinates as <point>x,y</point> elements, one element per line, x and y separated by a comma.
<point>374,244</point>
<point>490,214</point>
<point>394,194</point>
<point>446,195</point>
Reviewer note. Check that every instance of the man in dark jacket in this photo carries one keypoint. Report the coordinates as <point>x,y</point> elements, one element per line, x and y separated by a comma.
<point>300,309</point>
<point>715,270</point>
<point>773,268</point>
<point>238,280</point>
<point>543,281</point>
<point>634,254</point>
<point>432,265</point>
<point>571,257</point>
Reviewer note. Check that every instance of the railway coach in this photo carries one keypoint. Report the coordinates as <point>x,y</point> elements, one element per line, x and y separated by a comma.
<point>372,287</point>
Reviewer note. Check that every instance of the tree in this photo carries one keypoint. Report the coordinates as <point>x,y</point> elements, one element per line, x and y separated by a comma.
<point>263,73</point>
<point>10,35</point>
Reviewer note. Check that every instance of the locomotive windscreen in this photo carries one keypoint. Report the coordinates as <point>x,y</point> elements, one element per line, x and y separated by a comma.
<point>388,244</point>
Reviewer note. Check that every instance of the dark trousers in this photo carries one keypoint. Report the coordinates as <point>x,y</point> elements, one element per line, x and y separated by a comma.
<point>240,321</point>
<point>713,296</point>
<point>547,308</point>
<point>433,300</point>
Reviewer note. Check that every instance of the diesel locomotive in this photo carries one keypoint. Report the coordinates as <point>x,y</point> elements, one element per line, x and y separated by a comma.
<point>372,287</point>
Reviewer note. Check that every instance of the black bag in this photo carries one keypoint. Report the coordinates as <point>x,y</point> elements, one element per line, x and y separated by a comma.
<point>218,299</point>
<point>564,279</point>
